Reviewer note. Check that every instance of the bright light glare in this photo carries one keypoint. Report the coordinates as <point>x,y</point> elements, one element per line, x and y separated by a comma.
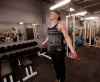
<point>83,13</point>
<point>34,24</point>
<point>71,9</point>
<point>60,4</point>
<point>21,23</point>
<point>91,18</point>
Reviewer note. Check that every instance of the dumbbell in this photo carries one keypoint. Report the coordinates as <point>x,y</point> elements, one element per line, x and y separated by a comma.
<point>2,49</point>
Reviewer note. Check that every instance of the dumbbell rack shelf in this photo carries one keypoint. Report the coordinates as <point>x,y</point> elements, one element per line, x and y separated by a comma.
<point>18,52</point>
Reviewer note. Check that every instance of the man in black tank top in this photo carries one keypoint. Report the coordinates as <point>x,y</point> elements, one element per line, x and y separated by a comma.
<point>56,36</point>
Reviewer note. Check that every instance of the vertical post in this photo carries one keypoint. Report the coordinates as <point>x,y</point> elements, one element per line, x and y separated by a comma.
<point>4,80</point>
<point>88,31</point>
<point>73,19</point>
<point>27,72</point>
<point>68,26</point>
<point>95,28</point>
<point>90,26</point>
<point>11,78</point>
<point>85,31</point>
<point>31,69</point>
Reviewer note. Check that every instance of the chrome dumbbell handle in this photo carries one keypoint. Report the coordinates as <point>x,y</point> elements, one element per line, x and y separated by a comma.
<point>44,55</point>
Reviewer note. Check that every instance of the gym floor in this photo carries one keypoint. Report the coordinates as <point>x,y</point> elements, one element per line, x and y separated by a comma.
<point>87,70</point>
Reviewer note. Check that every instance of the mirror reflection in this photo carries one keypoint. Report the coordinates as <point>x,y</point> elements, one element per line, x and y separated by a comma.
<point>19,32</point>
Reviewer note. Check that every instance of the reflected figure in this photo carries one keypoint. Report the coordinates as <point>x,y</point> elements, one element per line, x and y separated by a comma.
<point>14,34</point>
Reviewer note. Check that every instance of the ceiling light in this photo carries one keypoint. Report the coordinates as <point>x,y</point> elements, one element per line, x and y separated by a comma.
<point>71,9</point>
<point>34,24</point>
<point>90,18</point>
<point>21,23</point>
<point>83,13</point>
<point>60,4</point>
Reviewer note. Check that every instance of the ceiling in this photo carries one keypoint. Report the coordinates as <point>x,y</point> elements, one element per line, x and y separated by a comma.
<point>92,6</point>
<point>89,5</point>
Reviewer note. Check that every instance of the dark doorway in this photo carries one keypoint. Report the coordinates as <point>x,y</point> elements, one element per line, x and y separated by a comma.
<point>29,33</point>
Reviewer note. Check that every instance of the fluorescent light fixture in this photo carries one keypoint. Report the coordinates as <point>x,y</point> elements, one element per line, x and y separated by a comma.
<point>71,9</point>
<point>90,18</point>
<point>60,4</point>
<point>21,23</point>
<point>82,13</point>
<point>34,24</point>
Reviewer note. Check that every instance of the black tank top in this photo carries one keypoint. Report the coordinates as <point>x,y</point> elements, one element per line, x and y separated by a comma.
<point>55,39</point>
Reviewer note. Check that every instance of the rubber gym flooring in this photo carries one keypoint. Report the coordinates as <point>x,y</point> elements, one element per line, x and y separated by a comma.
<point>87,70</point>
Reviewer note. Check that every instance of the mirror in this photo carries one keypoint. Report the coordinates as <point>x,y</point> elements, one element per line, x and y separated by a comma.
<point>18,32</point>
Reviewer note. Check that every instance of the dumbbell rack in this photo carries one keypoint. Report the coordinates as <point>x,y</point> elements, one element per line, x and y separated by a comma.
<point>17,51</point>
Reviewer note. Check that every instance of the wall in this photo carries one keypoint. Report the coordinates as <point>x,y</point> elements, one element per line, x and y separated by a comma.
<point>14,11</point>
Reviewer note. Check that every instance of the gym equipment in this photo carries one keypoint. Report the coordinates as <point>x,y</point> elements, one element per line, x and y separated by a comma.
<point>36,30</point>
<point>17,55</point>
<point>91,29</point>
<point>28,70</point>
<point>6,72</point>
<point>79,41</point>
<point>43,52</point>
